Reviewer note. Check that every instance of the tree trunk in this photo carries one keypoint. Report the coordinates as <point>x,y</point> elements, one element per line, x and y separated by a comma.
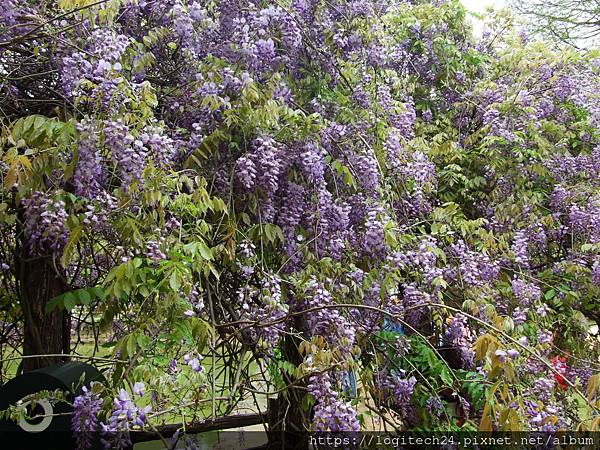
<point>42,333</point>
<point>287,417</point>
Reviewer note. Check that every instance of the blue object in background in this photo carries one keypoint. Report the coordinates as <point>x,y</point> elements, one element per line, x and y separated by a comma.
<point>394,327</point>
<point>349,384</point>
<point>349,381</point>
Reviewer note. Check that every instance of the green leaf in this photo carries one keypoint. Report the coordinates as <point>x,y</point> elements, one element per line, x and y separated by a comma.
<point>204,251</point>
<point>175,280</point>
<point>269,233</point>
<point>307,402</point>
<point>131,344</point>
<point>74,237</point>
<point>445,376</point>
<point>84,296</point>
<point>70,301</point>
<point>97,293</point>
<point>143,289</point>
<point>143,341</point>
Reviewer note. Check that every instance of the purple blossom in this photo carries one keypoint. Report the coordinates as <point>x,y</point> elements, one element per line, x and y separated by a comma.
<point>520,248</point>
<point>427,115</point>
<point>160,147</point>
<point>458,335</point>
<point>328,322</point>
<point>435,406</point>
<point>331,412</point>
<point>154,252</point>
<point>125,414</point>
<point>543,388</point>
<point>596,273</point>
<point>512,353</point>
<point>525,292</point>
<point>127,152</point>
<point>397,388</point>
<point>139,388</point>
<point>45,224</point>
<point>519,315</point>
<point>263,305</point>
<point>405,121</point>
<point>89,177</point>
<point>545,337</point>
<point>84,421</point>
<point>246,172</point>
<point>194,363</point>
<point>312,163</point>
<point>374,239</point>
<point>501,354</point>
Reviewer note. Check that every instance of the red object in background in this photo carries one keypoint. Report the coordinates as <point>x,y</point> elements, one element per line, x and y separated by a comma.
<point>560,365</point>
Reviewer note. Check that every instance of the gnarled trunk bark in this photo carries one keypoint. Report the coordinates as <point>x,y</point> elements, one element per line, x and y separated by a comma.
<point>43,333</point>
<point>287,417</point>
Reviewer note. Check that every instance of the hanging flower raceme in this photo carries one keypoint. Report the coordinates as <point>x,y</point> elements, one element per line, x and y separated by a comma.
<point>331,412</point>
<point>45,224</point>
<point>90,174</point>
<point>125,415</point>
<point>325,320</point>
<point>84,421</point>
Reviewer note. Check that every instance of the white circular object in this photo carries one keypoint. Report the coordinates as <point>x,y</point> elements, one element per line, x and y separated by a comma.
<point>44,424</point>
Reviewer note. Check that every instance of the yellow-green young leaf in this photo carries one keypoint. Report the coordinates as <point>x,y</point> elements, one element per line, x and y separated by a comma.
<point>509,325</point>
<point>514,422</point>
<point>509,420</point>
<point>143,341</point>
<point>219,205</point>
<point>121,347</point>
<point>144,291</point>
<point>509,373</point>
<point>593,387</point>
<point>504,416</point>
<point>16,131</point>
<point>214,271</point>
<point>204,251</point>
<point>481,347</point>
<point>304,348</point>
<point>11,177</point>
<point>486,423</point>
<point>74,237</point>
<point>24,160</point>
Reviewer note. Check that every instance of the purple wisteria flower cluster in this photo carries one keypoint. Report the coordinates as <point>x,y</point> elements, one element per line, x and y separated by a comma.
<point>267,307</point>
<point>331,412</point>
<point>84,421</point>
<point>45,224</point>
<point>125,415</point>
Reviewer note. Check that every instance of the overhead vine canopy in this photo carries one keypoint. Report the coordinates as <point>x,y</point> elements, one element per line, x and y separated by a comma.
<point>354,208</point>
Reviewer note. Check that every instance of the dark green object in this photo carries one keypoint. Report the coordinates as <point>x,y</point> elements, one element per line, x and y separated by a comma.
<point>51,432</point>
